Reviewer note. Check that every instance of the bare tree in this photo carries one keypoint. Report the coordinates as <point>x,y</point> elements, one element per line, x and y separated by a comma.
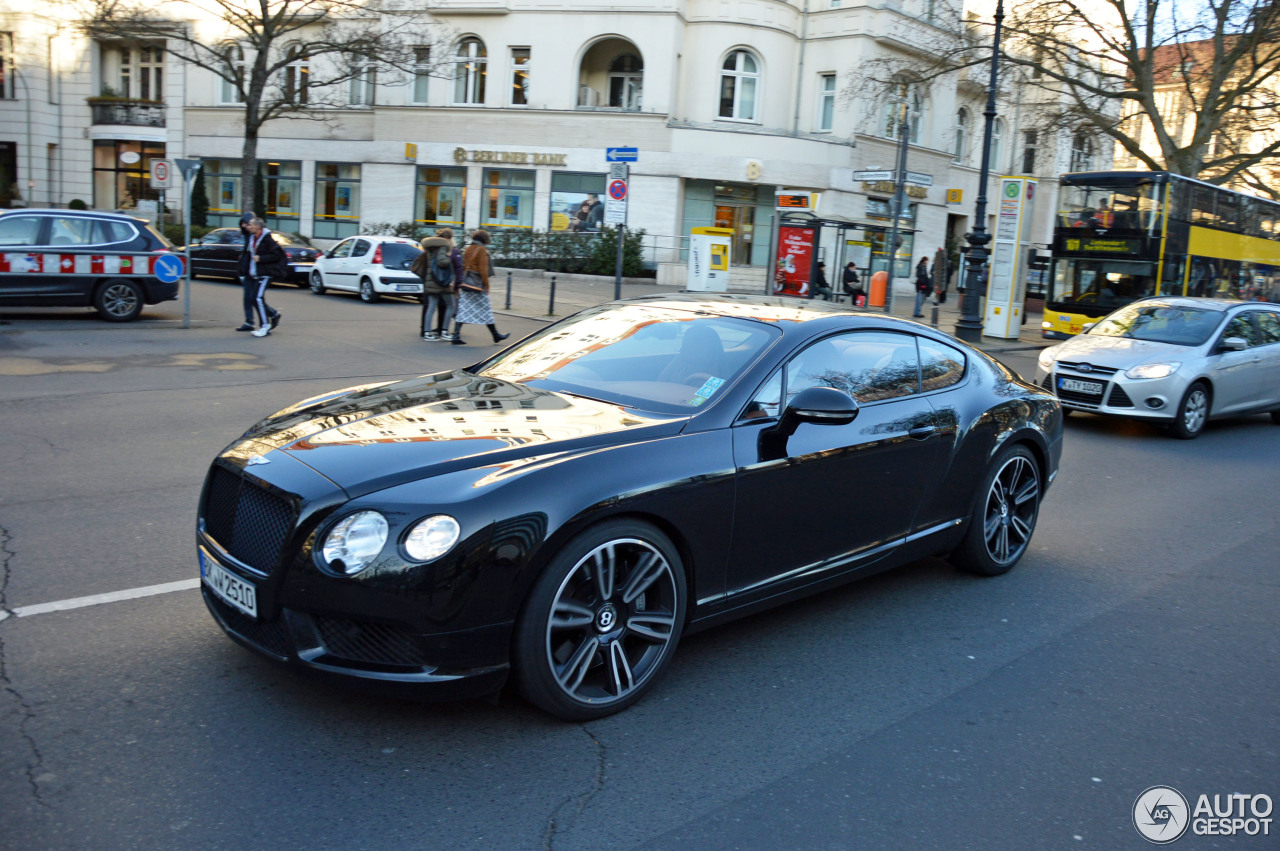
<point>282,58</point>
<point>1192,88</point>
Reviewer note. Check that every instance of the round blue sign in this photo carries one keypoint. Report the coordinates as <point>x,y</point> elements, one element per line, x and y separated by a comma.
<point>168,268</point>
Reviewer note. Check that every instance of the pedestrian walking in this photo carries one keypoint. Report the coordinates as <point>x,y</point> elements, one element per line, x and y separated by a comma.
<point>247,284</point>
<point>473,293</point>
<point>924,286</point>
<point>266,261</point>
<point>441,272</point>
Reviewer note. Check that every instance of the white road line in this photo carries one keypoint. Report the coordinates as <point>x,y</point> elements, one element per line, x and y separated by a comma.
<point>98,599</point>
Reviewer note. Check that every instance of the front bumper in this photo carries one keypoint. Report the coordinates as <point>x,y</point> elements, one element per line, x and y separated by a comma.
<point>379,655</point>
<point>1109,392</point>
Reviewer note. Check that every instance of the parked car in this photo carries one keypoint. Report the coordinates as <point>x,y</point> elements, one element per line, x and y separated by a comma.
<point>1178,361</point>
<point>372,266</point>
<point>82,258</point>
<point>565,510</point>
<point>217,255</point>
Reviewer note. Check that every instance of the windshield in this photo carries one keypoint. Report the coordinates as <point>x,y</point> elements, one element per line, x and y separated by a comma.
<point>1101,284</point>
<point>639,356</point>
<point>1160,323</point>
<point>1105,208</point>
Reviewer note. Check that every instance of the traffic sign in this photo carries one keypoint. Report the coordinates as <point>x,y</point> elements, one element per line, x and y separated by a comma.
<point>188,166</point>
<point>168,268</point>
<point>619,171</point>
<point>874,176</point>
<point>618,190</point>
<point>622,155</point>
<point>162,172</point>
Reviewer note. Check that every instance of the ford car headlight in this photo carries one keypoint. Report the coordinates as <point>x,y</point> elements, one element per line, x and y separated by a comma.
<point>431,538</point>
<point>1047,357</point>
<point>1152,370</point>
<point>355,542</point>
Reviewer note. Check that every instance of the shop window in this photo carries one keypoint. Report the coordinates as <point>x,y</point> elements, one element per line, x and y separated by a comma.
<point>282,185</point>
<point>441,197</point>
<point>573,201</point>
<point>337,202</point>
<point>508,199</point>
<point>122,173</point>
<point>739,82</point>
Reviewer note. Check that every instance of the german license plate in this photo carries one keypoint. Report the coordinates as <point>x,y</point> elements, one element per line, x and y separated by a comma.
<point>1093,388</point>
<point>232,590</point>
<point>408,288</point>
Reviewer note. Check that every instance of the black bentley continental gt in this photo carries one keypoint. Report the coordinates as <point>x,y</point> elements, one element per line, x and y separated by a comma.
<point>563,512</point>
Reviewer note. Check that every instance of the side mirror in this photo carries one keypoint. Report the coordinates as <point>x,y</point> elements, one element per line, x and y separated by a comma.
<point>1234,344</point>
<point>819,406</point>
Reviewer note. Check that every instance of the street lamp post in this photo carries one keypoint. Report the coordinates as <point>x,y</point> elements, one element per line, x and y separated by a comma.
<point>899,193</point>
<point>969,327</point>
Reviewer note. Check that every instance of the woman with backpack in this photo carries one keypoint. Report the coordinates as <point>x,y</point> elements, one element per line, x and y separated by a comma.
<point>473,296</point>
<point>441,273</point>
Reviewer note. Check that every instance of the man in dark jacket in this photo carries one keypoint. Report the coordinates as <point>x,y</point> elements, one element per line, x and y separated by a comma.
<point>266,261</point>
<point>820,285</point>
<point>247,284</point>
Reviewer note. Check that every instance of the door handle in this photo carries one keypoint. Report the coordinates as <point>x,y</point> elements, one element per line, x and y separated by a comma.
<point>922,432</point>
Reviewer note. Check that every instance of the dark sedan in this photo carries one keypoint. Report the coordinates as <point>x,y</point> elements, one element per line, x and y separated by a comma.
<point>217,255</point>
<point>565,510</point>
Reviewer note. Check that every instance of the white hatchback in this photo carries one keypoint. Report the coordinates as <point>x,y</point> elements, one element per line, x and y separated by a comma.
<point>372,266</point>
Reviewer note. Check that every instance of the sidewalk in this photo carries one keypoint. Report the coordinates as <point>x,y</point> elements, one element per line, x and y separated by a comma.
<point>531,297</point>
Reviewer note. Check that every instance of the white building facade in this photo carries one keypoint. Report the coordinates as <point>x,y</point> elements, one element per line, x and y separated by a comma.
<point>726,104</point>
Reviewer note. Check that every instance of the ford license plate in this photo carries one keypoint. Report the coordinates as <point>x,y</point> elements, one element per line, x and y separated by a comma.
<point>230,588</point>
<point>1074,385</point>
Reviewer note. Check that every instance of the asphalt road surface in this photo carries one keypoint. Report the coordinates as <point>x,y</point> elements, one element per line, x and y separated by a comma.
<point>1134,646</point>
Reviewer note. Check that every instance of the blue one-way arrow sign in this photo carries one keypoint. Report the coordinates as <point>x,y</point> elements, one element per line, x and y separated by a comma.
<point>622,155</point>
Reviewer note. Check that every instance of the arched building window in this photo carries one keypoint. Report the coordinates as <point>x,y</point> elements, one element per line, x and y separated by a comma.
<point>739,86</point>
<point>626,81</point>
<point>469,70</point>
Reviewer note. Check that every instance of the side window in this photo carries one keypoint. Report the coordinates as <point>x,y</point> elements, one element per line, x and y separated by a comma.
<point>870,366</point>
<point>71,231</point>
<point>344,248</point>
<point>361,248</point>
<point>19,230</point>
<point>230,237</point>
<point>107,232</point>
<point>1241,326</point>
<point>1268,326</point>
<point>940,365</point>
<point>767,402</point>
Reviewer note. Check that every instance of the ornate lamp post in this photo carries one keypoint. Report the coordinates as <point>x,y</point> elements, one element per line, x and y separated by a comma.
<point>969,327</point>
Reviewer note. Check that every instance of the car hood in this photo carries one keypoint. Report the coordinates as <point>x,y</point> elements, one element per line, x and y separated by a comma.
<point>380,436</point>
<point>1118,352</point>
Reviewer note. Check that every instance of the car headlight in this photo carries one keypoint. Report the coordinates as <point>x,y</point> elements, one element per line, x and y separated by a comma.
<point>1152,370</point>
<point>355,542</point>
<point>431,538</point>
<point>1046,358</point>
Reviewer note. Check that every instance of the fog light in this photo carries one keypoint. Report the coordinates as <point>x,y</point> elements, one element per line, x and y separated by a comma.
<point>1155,403</point>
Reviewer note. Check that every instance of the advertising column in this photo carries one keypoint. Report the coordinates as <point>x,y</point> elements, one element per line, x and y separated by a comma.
<point>794,266</point>
<point>1007,287</point>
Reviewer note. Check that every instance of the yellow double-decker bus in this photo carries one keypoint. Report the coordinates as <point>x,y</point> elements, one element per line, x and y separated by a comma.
<point>1125,235</point>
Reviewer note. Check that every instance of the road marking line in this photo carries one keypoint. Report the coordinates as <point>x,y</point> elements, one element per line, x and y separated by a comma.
<point>98,599</point>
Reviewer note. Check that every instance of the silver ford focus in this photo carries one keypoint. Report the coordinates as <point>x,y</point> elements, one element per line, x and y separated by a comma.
<point>1175,360</point>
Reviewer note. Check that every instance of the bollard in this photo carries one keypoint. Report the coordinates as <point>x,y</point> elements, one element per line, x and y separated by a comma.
<point>551,307</point>
<point>934,320</point>
<point>508,307</point>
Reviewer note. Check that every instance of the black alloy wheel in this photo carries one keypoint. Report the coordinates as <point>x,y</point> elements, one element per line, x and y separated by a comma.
<point>118,301</point>
<point>601,622</point>
<point>317,282</point>
<point>1004,516</point>
<point>367,293</point>
<point>1193,413</point>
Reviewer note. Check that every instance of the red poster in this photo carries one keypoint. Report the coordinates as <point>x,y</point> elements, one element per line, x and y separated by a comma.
<point>794,262</point>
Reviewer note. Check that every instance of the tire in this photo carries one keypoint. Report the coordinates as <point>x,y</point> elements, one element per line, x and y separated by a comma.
<point>1193,412</point>
<point>367,294</point>
<point>118,300</point>
<point>601,622</point>
<point>317,283</point>
<point>1004,515</point>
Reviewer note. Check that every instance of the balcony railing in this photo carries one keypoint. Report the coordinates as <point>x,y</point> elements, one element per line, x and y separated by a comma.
<point>133,113</point>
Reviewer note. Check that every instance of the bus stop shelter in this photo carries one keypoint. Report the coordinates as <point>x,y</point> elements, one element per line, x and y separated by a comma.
<point>801,237</point>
